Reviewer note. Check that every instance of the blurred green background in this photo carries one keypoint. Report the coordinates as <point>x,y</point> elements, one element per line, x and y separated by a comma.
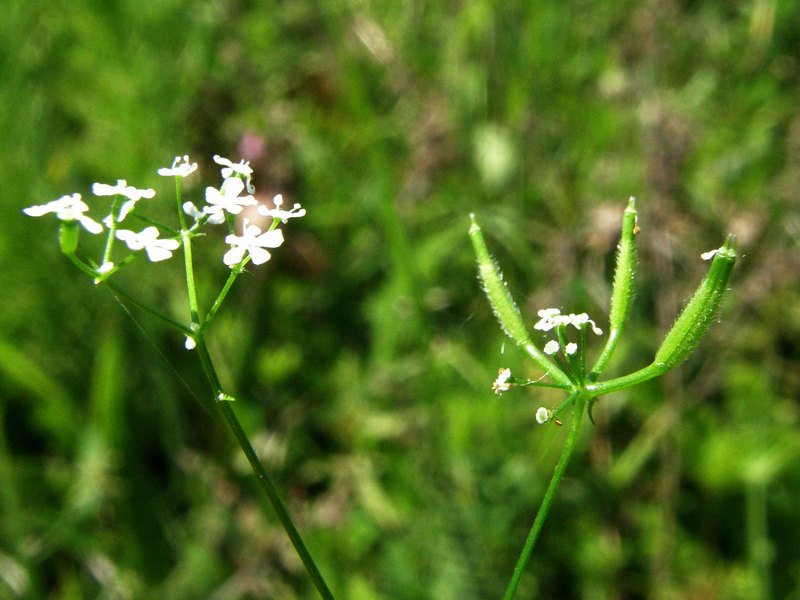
<point>363,353</point>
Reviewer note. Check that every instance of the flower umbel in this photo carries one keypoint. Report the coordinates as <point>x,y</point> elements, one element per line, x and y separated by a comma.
<point>552,317</point>
<point>66,208</point>
<point>147,239</point>
<point>253,243</point>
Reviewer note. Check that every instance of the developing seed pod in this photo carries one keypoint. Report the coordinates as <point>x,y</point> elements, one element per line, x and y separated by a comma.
<point>623,290</point>
<point>68,237</point>
<point>504,307</point>
<point>696,318</point>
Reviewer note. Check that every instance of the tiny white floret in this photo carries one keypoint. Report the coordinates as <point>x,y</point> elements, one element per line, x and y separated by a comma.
<point>147,239</point>
<point>227,198</point>
<point>542,415</point>
<point>66,208</point>
<point>190,209</point>
<point>241,168</point>
<point>278,212</point>
<point>571,348</point>
<point>551,347</point>
<point>501,384</point>
<point>190,343</point>
<point>253,243</point>
<point>179,170</point>
<point>123,189</point>
<point>710,254</point>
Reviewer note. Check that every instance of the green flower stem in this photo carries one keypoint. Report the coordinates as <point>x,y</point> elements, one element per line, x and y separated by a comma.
<point>226,408</point>
<point>81,265</point>
<point>558,475</point>
<point>112,230</point>
<point>235,272</point>
<point>118,292</point>
<point>626,381</point>
<point>181,217</point>
<point>623,289</point>
<point>191,290</point>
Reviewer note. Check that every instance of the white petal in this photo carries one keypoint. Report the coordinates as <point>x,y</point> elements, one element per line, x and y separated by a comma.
<point>270,239</point>
<point>259,255</point>
<point>233,256</point>
<point>90,225</point>
<point>156,253</point>
<point>551,347</point>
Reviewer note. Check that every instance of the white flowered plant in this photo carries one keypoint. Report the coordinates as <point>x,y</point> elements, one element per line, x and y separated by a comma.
<point>158,242</point>
<point>564,361</point>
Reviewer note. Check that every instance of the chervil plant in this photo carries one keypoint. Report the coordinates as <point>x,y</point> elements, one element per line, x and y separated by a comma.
<point>125,243</point>
<point>563,358</point>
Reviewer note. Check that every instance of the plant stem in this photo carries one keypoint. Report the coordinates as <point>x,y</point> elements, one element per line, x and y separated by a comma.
<point>626,381</point>
<point>538,522</point>
<point>224,405</point>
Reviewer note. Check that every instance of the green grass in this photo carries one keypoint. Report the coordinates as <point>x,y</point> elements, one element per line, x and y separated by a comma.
<point>363,354</point>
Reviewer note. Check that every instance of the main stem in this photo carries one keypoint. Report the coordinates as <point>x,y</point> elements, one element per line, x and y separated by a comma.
<point>261,473</point>
<point>538,522</point>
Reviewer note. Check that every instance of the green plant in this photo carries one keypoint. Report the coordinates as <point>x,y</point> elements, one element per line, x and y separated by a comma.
<point>564,361</point>
<point>223,205</point>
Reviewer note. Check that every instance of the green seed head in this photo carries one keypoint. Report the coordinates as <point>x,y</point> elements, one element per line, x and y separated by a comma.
<point>700,312</point>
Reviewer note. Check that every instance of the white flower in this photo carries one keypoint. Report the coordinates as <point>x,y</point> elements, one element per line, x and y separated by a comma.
<point>190,343</point>
<point>551,347</point>
<point>251,242</point>
<point>105,267</point>
<point>66,208</point>
<point>578,321</point>
<point>190,209</point>
<point>552,317</point>
<point>179,170</point>
<point>148,239</point>
<point>227,198</point>
<point>542,415</point>
<point>710,254</point>
<point>501,384</point>
<point>278,213</point>
<point>549,318</point>
<point>122,189</point>
<point>571,348</point>
<point>240,168</point>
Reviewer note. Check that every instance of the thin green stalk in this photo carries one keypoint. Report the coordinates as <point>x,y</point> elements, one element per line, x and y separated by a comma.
<point>191,290</point>
<point>558,475</point>
<point>225,407</point>
<point>626,381</point>
<point>118,292</point>
<point>222,294</point>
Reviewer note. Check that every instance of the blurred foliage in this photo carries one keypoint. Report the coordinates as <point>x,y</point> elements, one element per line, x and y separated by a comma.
<point>363,354</point>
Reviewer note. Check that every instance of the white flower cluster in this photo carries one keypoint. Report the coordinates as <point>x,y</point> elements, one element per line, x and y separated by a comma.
<point>228,199</point>
<point>550,318</point>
